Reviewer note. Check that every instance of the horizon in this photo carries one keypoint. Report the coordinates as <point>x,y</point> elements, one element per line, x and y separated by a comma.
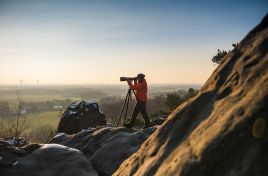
<point>91,42</point>
<point>96,84</point>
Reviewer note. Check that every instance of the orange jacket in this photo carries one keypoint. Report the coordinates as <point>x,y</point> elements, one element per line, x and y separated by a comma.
<point>141,90</point>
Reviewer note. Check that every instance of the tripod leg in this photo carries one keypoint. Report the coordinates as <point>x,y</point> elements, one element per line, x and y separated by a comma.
<point>122,110</point>
<point>129,94</point>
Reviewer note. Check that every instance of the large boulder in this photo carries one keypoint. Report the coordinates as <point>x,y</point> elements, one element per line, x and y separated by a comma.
<point>222,131</point>
<point>47,159</point>
<point>106,148</point>
<point>79,116</point>
<point>9,154</point>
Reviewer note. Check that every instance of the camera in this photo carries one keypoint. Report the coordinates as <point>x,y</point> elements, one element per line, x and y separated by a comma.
<point>128,78</point>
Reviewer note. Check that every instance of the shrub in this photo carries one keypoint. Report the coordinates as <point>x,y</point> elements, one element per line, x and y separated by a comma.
<point>221,53</point>
<point>175,99</point>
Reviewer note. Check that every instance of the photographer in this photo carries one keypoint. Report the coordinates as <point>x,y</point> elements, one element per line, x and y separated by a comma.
<point>140,88</point>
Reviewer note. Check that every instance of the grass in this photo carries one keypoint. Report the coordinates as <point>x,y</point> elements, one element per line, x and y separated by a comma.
<point>36,120</point>
<point>45,118</point>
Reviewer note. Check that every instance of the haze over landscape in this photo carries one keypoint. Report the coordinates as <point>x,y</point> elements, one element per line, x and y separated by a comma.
<point>96,42</point>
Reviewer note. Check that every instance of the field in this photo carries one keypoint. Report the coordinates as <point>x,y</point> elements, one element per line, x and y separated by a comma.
<point>34,121</point>
<point>37,120</point>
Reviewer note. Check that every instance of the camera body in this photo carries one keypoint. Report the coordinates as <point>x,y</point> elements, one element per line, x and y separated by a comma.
<point>128,78</point>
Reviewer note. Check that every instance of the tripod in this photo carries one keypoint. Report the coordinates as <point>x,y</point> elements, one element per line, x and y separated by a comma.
<point>125,107</point>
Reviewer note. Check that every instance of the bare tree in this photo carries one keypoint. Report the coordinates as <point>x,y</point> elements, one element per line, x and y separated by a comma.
<point>20,125</point>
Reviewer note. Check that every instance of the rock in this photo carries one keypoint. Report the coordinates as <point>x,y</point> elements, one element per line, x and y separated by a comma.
<point>106,148</point>
<point>9,154</point>
<point>18,142</point>
<point>79,116</point>
<point>221,131</point>
<point>51,159</point>
<point>59,138</point>
<point>158,120</point>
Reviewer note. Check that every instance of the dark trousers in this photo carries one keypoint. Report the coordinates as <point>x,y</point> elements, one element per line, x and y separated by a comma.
<point>140,107</point>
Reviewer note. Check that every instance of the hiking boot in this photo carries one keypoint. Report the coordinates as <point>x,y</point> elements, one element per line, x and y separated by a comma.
<point>127,125</point>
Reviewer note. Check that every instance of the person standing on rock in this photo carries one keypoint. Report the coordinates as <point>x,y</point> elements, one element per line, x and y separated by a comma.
<point>140,88</point>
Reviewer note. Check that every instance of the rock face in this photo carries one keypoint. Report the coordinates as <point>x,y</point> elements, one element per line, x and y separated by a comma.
<point>106,148</point>
<point>221,131</point>
<point>79,116</point>
<point>46,159</point>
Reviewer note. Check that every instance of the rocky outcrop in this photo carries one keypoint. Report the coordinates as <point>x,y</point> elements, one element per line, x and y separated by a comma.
<point>79,116</point>
<point>51,159</point>
<point>94,151</point>
<point>106,148</point>
<point>43,160</point>
<point>221,131</point>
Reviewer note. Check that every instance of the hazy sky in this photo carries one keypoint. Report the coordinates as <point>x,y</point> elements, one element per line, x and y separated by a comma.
<point>97,41</point>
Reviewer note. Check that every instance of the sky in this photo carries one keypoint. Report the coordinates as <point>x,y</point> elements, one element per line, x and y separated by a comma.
<point>97,41</point>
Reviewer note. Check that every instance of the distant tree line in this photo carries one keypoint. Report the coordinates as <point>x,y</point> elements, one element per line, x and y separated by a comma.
<point>64,92</point>
<point>8,109</point>
<point>173,100</point>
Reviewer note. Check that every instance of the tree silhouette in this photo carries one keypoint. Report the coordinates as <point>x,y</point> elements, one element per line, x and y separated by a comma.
<point>221,53</point>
